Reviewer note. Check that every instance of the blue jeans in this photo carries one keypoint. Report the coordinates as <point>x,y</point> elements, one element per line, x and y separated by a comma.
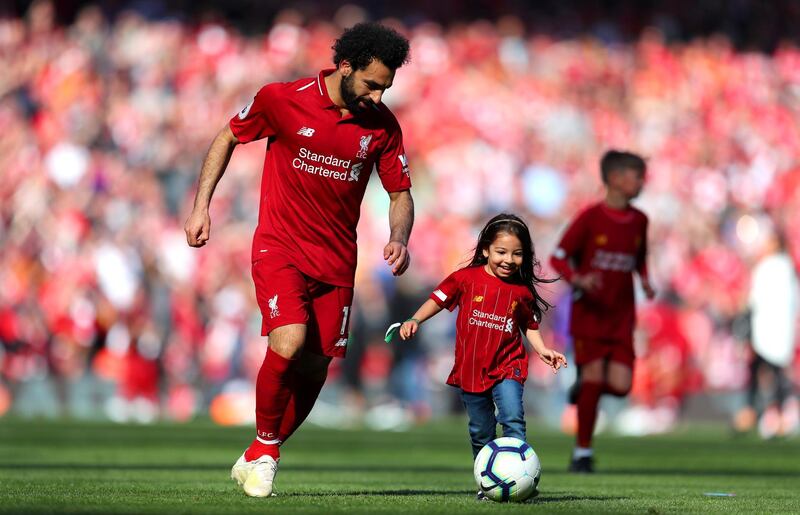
<point>507,397</point>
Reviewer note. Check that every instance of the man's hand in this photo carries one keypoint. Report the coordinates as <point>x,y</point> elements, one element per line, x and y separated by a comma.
<point>198,228</point>
<point>396,255</point>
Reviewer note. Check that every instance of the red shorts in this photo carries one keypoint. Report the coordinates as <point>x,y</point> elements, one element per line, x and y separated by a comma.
<point>287,296</point>
<point>588,350</point>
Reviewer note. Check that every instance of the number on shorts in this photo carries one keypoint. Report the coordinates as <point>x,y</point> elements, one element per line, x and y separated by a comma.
<point>345,314</point>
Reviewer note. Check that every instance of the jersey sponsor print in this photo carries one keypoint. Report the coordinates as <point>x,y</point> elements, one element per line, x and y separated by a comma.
<point>612,244</point>
<point>491,315</point>
<point>316,170</point>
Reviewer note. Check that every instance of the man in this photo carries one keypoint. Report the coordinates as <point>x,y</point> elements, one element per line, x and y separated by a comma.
<point>325,134</point>
<point>601,249</point>
<point>774,305</point>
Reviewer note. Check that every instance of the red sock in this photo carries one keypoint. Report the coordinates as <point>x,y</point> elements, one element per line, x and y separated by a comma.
<point>304,394</point>
<point>258,449</point>
<point>273,390</point>
<point>588,398</point>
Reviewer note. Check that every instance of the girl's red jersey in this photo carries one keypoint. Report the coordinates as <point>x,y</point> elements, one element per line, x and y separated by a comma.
<point>491,315</point>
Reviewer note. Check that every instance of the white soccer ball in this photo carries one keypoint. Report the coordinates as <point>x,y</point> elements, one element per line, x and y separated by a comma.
<point>508,469</point>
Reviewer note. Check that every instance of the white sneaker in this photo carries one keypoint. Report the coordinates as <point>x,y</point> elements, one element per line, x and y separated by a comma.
<point>258,482</point>
<point>241,469</point>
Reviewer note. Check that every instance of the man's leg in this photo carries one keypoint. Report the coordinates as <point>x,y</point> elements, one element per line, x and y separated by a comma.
<point>283,298</point>
<point>326,337</point>
<point>770,423</point>
<point>745,419</point>
<point>308,378</point>
<point>752,383</point>
<point>255,470</point>
<point>274,388</point>
<point>507,395</point>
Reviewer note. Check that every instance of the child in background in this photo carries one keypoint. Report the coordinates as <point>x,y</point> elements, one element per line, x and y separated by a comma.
<point>598,255</point>
<point>497,298</point>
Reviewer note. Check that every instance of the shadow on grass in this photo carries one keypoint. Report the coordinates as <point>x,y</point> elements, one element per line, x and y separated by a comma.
<point>362,493</point>
<point>559,497</point>
<point>541,499</point>
<point>367,469</point>
<point>226,466</point>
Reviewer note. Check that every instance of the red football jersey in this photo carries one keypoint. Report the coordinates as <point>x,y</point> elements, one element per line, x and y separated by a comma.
<point>316,170</point>
<point>611,243</point>
<point>491,313</point>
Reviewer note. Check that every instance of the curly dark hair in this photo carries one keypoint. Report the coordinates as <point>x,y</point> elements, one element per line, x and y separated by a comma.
<point>363,42</point>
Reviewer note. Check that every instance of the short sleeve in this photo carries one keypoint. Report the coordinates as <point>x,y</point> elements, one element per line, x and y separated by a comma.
<point>576,235</point>
<point>257,119</point>
<point>392,164</point>
<point>447,294</point>
<point>570,246</point>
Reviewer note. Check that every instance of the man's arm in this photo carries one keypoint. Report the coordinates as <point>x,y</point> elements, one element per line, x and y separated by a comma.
<point>198,225</point>
<point>401,219</point>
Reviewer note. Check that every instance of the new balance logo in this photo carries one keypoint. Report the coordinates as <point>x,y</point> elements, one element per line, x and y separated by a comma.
<point>306,131</point>
<point>341,343</point>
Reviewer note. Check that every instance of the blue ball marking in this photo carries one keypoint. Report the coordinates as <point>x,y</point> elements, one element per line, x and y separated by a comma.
<point>488,472</point>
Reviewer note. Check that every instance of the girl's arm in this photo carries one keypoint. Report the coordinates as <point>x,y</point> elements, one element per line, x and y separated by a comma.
<point>553,358</point>
<point>426,311</point>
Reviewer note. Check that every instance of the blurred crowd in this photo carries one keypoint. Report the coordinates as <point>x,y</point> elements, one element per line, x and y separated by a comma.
<point>105,309</point>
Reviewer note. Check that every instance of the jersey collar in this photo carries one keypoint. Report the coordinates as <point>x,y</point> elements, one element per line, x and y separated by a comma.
<point>325,98</point>
<point>618,215</point>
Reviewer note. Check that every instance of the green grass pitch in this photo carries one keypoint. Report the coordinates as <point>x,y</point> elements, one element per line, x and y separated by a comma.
<point>69,467</point>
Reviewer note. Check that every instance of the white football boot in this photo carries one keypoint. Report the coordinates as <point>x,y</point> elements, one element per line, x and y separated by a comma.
<point>241,469</point>
<point>258,482</point>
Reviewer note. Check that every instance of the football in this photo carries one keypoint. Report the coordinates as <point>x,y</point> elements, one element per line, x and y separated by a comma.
<point>508,470</point>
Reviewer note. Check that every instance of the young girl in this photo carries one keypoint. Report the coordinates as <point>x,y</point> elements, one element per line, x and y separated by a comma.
<point>497,298</point>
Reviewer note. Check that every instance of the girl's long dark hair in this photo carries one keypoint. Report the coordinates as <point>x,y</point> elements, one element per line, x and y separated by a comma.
<point>513,224</point>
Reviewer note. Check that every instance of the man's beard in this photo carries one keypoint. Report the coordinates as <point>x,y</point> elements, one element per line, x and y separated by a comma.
<point>349,97</point>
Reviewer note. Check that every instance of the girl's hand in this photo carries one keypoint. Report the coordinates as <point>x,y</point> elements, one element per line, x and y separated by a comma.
<point>553,359</point>
<point>409,329</point>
